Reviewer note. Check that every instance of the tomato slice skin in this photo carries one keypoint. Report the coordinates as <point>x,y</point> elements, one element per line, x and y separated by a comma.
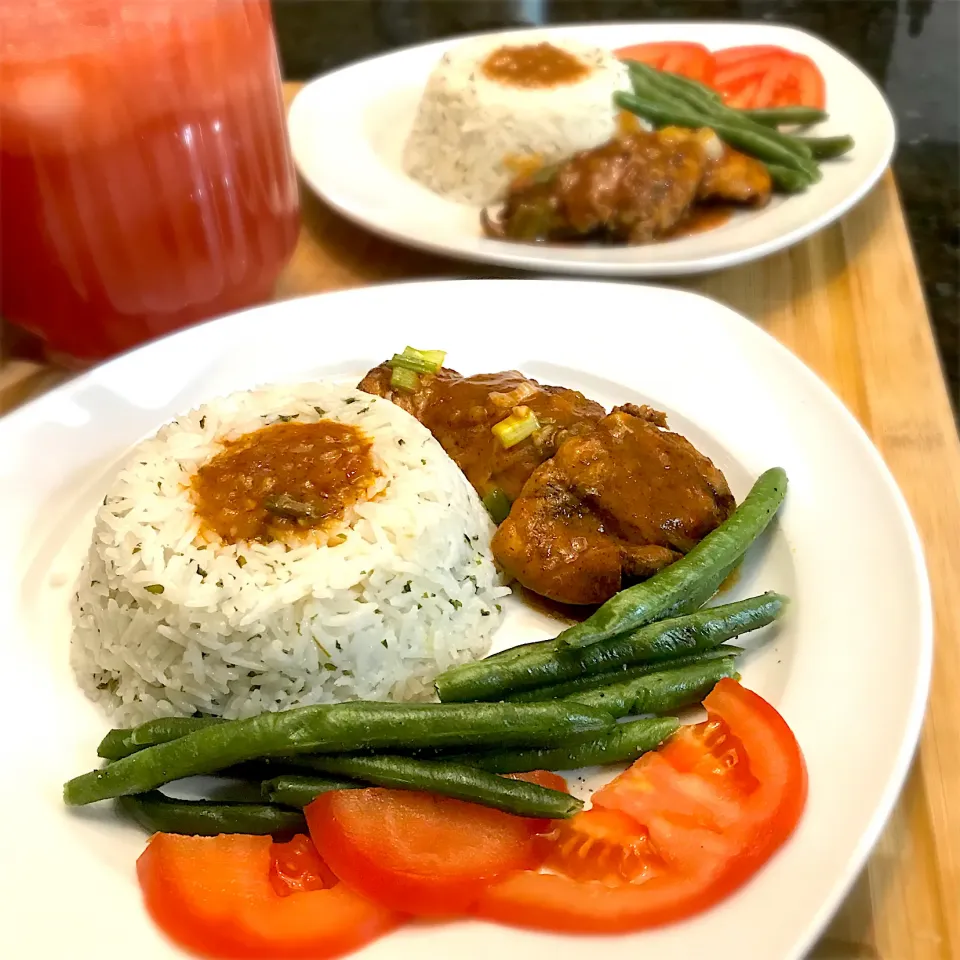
<point>215,896</point>
<point>730,55</point>
<point>691,60</point>
<point>744,97</point>
<point>716,801</point>
<point>417,852</point>
<point>784,79</point>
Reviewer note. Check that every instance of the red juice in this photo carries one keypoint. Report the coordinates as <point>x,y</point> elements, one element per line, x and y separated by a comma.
<point>145,176</point>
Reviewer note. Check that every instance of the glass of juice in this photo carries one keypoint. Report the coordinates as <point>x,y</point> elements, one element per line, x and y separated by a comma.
<point>146,181</point>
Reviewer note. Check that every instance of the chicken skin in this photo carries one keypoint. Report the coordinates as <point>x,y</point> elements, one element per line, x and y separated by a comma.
<point>611,507</point>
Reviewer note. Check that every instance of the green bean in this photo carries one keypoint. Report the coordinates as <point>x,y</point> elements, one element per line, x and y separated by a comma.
<point>201,818</point>
<point>661,87</point>
<point>123,741</point>
<point>597,680</point>
<point>627,742</point>
<point>829,148</point>
<point>786,180</point>
<point>663,640</point>
<point>647,84</point>
<point>538,647</point>
<point>657,86</point>
<point>434,776</point>
<point>297,790</point>
<point>787,116</point>
<point>339,728</point>
<point>661,692</point>
<point>702,569</point>
<point>694,93</point>
<point>516,653</point>
<point>761,145</point>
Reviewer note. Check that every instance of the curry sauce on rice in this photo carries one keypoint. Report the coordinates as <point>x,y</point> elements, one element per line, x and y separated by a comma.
<point>283,546</point>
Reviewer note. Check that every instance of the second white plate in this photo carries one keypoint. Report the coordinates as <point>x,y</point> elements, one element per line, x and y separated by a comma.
<point>348,129</point>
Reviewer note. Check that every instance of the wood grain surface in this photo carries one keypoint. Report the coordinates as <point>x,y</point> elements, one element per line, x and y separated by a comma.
<point>848,302</point>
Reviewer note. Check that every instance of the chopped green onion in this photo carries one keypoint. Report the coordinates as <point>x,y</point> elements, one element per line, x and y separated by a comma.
<point>435,357</point>
<point>497,504</point>
<point>518,426</point>
<point>404,379</point>
<point>419,361</point>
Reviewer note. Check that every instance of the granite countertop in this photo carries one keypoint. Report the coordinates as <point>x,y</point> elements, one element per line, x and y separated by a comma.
<point>908,46</point>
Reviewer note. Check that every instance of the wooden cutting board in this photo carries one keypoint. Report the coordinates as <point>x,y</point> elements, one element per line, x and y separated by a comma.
<point>848,302</point>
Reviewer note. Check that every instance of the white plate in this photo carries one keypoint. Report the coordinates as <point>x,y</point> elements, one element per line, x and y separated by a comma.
<point>348,128</point>
<point>848,668</point>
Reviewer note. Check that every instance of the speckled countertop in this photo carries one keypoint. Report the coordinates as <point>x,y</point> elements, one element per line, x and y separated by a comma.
<point>908,46</point>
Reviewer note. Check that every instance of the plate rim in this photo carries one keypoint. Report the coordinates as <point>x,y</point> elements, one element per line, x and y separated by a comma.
<point>529,261</point>
<point>21,416</point>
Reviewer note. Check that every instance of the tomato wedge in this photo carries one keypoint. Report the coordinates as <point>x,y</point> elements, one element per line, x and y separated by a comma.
<point>691,60</point>
<point>421,853</point>
<point>768,77</point>
<point>678,831</point>
<point>730,55</point>
<point>219,897</point>
<point>297,867</point>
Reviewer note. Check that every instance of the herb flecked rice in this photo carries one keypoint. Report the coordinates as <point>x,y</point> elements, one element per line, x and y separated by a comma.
<point>168,623</point>
<point>470,131</point>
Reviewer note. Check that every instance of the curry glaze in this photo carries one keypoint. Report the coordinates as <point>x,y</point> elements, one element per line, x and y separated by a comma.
<point>534,65</point>
<point>283,481</point>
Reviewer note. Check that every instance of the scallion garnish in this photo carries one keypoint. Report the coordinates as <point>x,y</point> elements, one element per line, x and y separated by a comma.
<point>419,361</point>
<point>404,379</point>
<point>518,426</point>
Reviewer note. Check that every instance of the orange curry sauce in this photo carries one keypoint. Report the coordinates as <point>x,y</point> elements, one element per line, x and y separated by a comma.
<point>283,480</point>
<point>534,65</point>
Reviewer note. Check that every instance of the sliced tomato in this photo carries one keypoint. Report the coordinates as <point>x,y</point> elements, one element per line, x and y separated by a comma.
<point>217,896</point>
<point>691,60</point>
<point>297,867</point>
<point>675,833</point>
<point>418,852</point>
<point>769,77</point>
<point>744,97</point>
<point>730,55</point>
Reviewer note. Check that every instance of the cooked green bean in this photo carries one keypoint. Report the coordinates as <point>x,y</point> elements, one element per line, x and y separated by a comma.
<point>627,742</point>
<point>434,776</point>
<point>663,640</point>
<point>594,681</point>
<point>202,818</point>
<point>829,148</point>
<point>694,94</point>
<point>340,728</point>
<point>661,692</point>
<point>698,596</point>
<point>786,180</point>
<point>703,568</point>
<point>786,116</point>
<point>123,741</point>
<point>297,790</point>
<point>662,88</point>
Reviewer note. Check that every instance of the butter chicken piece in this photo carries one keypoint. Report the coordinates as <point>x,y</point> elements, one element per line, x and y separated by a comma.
<point>611,507</point>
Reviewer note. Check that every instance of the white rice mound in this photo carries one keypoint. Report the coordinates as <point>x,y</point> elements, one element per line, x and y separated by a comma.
<point>243,628</point>
<point>467,125</point>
